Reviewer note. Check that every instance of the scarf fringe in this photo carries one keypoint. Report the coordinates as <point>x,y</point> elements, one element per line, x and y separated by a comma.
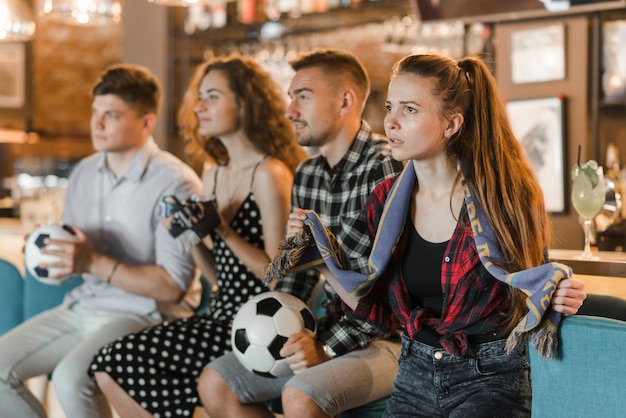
<point>544,339</point>
<point>291,250</point>
<point>517,338</point>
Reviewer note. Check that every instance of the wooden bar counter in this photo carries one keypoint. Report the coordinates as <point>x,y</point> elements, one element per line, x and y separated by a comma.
<point>606,276</point>
<point>609,264</point>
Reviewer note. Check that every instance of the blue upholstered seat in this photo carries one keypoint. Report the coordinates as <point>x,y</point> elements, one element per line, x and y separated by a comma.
<point>589,379</point>
<point>24,297</point>
<point>205,298</point>
<point>11,296</point>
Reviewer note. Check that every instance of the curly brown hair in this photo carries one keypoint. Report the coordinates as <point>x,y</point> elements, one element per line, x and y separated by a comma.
<point>263,105</point>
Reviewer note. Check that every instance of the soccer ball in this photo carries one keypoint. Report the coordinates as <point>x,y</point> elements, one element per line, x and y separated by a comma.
<point>33,257</point>
<point>261,327</point>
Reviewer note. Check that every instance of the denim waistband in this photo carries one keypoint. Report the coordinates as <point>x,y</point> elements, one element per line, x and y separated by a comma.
<point>410,345</point>
<point>431,337</point>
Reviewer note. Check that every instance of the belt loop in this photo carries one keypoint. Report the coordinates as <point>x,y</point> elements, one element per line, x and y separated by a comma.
<point>406,345</point>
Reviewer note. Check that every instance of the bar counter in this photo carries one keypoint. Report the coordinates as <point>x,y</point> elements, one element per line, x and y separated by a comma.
<point>606,276</point>
<point>610,263</point>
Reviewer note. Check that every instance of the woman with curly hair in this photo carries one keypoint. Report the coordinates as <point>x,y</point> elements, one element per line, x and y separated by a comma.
<point>234,112</point>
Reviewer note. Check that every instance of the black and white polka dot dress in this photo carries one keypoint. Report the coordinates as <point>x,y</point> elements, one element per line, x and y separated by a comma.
<point>159,366</point>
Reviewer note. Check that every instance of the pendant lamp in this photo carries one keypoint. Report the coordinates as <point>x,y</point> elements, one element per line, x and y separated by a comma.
<point>16,21</point>
<point>182,3</point>
<point>83,12</point>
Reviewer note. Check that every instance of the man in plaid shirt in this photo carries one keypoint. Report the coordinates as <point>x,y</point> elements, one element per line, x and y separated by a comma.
<point>350,363</point>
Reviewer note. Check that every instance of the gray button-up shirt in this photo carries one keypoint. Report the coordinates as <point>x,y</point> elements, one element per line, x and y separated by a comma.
<point>119,215</point>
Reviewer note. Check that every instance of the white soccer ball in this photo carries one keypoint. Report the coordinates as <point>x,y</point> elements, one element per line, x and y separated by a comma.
<point>261,327</point>
<point>33,257</point>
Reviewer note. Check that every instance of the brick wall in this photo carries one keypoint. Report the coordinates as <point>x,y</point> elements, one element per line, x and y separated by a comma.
<point>66,61</point>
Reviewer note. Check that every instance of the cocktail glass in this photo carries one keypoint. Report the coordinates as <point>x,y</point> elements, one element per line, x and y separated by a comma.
<point>588,197</point>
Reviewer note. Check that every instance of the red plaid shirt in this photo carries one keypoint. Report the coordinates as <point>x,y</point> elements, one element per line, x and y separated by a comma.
<point>474,301</point>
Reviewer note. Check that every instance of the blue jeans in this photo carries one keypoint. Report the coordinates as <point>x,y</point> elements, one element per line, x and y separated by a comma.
<point>432,383</point>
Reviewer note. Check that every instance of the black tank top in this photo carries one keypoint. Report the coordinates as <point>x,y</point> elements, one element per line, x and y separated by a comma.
<point>421,269</point>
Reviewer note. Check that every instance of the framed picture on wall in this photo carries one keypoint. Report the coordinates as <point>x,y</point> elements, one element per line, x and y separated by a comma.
<point>538,124</point>
<point>538,55</point>
<point>12,69</point>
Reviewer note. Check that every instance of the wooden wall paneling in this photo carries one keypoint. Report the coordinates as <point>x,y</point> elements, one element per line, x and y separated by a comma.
<point>568,232</point>
<point>608,115</point>
<point>144,41</point>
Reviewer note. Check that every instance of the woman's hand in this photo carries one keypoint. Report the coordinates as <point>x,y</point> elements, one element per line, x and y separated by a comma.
<point>569,296</point>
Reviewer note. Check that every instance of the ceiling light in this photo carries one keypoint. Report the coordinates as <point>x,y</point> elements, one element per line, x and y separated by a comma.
<point>16,21</point>
<point>182,3</point>
<point>83,12</point>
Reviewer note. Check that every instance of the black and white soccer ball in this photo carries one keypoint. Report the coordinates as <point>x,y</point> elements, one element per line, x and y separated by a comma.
<point>261,327</point>
<point>33,257</point>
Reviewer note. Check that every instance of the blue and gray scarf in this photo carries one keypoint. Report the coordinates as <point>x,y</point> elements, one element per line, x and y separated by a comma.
<point>317,246</point>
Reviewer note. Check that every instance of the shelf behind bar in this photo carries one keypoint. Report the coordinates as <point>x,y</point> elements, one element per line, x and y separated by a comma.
<point>610,263</point>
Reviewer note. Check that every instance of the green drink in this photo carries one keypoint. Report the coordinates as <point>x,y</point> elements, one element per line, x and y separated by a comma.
<point>588,191</point>
<point>588,196</point>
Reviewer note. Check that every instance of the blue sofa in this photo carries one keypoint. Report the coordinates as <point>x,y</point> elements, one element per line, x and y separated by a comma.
<point>589,379</point>
<point>23,297</point>
<point>11,296</point>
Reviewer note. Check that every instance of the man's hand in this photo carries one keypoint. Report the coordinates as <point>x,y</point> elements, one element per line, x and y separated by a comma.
<point>74,257</point>
<point>302,351</point>
<point>569,296</point>
<point>295,223</point>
